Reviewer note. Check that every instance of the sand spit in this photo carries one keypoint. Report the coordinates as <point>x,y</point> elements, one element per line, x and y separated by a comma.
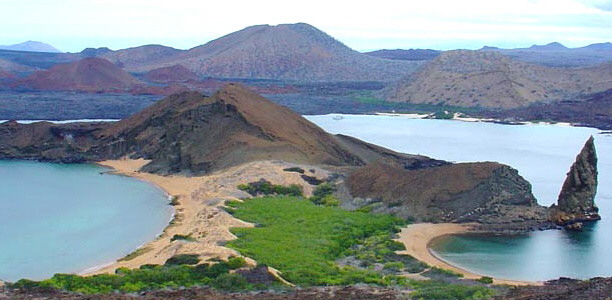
<point>200,212</point>
<point>418,237</point>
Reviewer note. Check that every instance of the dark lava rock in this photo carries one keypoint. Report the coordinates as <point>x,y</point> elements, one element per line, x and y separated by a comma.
<point>563,288</point>
<point>576,201</point>
<point>332,292</point>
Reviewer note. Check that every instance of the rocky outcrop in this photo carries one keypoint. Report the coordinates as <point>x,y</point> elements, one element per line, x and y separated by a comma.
<point>487,192</point>
<point>576,202</point>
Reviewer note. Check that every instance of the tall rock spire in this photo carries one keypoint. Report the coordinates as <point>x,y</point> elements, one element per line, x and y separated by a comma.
<point>576,202</point>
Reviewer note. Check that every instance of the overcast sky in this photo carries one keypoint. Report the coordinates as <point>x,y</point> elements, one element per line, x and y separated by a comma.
<point>72,25</point>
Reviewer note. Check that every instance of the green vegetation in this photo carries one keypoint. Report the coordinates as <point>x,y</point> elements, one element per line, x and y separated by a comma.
<point>435,271</point>
<point>264,187</point>
<point>135,254</point>
<point>183,259</point>
<point>304,241</point>
<point>443,115</point>
<point>382,249</point>
<point>182,237</point>
<point>485,280</point>
<point>174,200</point>
<point>323,195</point>
<point>294,169</point>
<point>149,277</point>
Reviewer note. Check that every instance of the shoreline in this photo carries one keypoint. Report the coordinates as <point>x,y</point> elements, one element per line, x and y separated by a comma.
<point>417,238</point>
<point>461,118</point>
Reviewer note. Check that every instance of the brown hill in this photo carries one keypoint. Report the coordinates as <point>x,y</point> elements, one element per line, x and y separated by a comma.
<point>5,75</point>
<point>15,68</point>
<point>492,80</point>
<point>136,57</point>
<point>286,52</point>
<point>176,73</point>
<point>86,75</point>
<point>191,132</point>
<point>402,54</point>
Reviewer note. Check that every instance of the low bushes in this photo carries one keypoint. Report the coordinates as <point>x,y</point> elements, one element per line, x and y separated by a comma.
<point>264,187</point>
<point>149,277</point>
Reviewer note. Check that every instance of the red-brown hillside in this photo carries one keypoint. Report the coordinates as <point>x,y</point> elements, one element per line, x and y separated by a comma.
<point>6,75</point>
<point>86,75</point>
<point>175,73</point>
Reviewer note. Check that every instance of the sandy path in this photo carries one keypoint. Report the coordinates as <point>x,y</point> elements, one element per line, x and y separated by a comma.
<point>200,210</point>
<point>417,237</point>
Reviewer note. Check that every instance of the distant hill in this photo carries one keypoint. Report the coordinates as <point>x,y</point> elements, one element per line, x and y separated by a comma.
<point>284,52</point>
<point>548,47</point>
<point>31,46</point>
<point>139,58</point>
<point>557,55</point>
<point>176,73</point>
<point>401,54</point>
<point>14,68</point>
<point>491,80</point>
<point>86,75</point>
<point>5,75</point>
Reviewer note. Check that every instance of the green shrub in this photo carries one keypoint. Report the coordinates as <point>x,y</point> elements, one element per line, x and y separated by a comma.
<point>236,263</point>
<point>439,271</point>
<point>393,266</point>
<point>174,200</point>
<point>183,259</point>
<point>330,200</point>
<point>485,279</point>
<point>322,195</point>
<point>182,237</point>
<point>230,282</point>
<point>294,169</point>
<point>365,209</point>
<point>148,277</point>
<point>264,187</point>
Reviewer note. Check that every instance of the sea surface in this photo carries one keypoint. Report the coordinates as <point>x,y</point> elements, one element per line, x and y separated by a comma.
<point>543,155</point>
<point>66,218</point>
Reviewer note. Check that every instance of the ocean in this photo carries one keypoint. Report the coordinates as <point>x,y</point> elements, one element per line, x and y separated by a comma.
<point>66,218</point>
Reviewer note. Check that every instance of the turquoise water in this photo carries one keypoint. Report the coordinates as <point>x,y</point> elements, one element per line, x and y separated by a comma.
<point>542,154</point>
<point>67,218</point>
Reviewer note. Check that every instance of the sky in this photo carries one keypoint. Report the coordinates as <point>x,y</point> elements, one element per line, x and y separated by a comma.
<point>72,25</point>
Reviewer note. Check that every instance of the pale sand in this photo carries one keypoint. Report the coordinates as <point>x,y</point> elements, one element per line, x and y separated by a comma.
<point>200,211</point>
<point>418,237</point>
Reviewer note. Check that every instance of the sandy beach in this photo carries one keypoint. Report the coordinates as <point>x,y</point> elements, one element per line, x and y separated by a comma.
<point>418,237</point>
<point>200,212</point>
